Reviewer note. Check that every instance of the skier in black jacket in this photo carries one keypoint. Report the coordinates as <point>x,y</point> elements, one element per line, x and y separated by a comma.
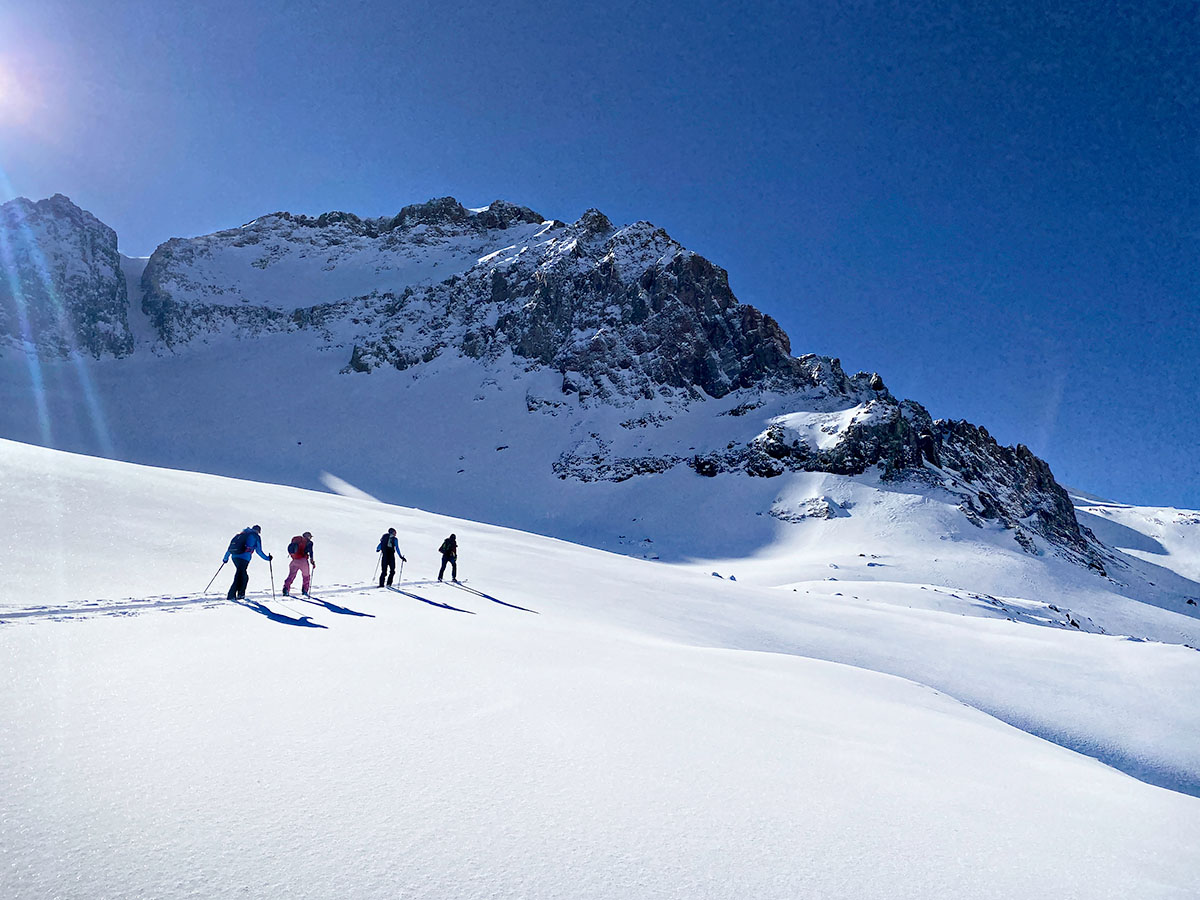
<point>390,550</point>
<point>449,551</point>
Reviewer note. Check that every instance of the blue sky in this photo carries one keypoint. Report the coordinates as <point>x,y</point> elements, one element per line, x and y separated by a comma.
<point>996,206</point>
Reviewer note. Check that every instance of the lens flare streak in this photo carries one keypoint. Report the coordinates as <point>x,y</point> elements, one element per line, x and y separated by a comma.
<point>65,331</point>
<point>36,381</point>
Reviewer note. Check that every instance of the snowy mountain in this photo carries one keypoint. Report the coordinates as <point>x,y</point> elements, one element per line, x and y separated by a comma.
<point>632,352</point>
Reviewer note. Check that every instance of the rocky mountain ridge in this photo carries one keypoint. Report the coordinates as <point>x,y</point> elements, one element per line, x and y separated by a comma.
<point>63,291</point>
<point>625,317</point>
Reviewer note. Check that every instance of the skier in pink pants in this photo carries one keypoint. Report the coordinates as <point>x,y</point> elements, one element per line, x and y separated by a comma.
<point>301,551</point>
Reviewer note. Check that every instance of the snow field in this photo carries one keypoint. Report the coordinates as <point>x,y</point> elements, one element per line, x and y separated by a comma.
<point>415,754</point>
<point>1163,537</point>
<point>630,739</point>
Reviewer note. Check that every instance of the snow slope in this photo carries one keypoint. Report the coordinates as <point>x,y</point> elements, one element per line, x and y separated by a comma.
<point>1159,537</point>
<point>458,436</point>
<point>581,724</point>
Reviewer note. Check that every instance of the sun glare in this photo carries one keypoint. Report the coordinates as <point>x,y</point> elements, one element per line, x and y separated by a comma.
<point>7,92</point>
<point>15,101</point>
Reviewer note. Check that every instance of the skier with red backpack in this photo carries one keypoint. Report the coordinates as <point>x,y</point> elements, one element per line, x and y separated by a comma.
<point>301,552</point>
<point>241,549</point>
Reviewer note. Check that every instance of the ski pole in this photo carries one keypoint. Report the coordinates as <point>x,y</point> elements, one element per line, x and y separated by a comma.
<point>215,574</point>
<point>402,562</point>
<point>271,566</point>
<point>378,557</point>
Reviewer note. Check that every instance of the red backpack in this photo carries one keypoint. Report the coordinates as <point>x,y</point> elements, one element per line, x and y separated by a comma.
<point>298,547</point>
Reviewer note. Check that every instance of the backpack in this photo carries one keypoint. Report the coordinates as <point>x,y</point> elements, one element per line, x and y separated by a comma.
<point>298,548</point>
<point>239,542</point>
<point>448,548</point>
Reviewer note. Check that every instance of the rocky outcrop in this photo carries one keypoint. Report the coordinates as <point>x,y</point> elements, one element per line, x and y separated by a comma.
<point>1007,485</point>
<point>622,314</point>
<point>1014,486</point>
<point>63,289</point>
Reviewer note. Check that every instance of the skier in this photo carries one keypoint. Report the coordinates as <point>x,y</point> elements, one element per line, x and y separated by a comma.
<point>390,550</point>
<point>449,551</point>
<point>301,551</point>
<point>241,549</point>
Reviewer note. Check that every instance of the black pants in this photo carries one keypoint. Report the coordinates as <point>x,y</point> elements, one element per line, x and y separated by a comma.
<point>241,578</point>
<point>453,560</point>
<point>387,567</point>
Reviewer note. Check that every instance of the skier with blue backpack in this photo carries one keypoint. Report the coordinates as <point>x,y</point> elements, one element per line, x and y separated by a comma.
<point>388,550</point>
<point>241,549</point>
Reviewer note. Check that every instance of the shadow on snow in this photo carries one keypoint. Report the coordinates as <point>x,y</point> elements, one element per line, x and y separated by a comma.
<point>430,602</point>
<point>459,584</point>
<point>333,607</point>
<point>255,606</point>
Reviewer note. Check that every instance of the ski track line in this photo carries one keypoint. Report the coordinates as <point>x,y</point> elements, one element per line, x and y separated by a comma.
<point>91,609</point>
<point>136,605</point>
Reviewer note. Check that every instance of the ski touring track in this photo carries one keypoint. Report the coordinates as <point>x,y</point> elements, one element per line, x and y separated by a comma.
<point>258,601</point>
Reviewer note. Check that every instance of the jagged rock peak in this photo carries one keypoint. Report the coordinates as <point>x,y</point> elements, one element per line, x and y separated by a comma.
<point>299,220</point>
<point>59,205</point>
<point>502,214</point>
<point>337,217</point>
<point>594,222</point>
<point>448,211</point>
<point>442,211</point>
<point>439,212</point>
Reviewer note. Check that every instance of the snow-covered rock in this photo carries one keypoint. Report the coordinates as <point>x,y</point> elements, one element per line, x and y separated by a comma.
<point>284,271</point>
<point>63,289</point>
